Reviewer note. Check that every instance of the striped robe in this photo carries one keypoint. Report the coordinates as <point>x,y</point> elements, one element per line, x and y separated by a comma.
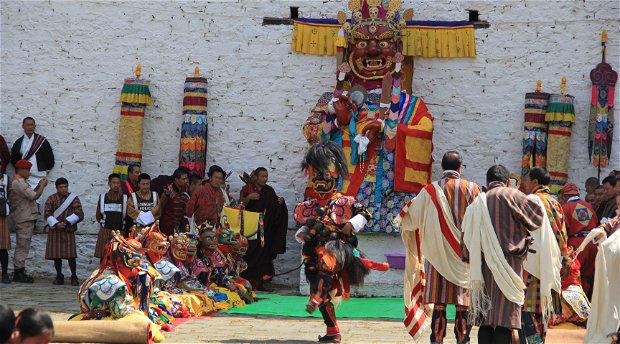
<point>460,194</point>
<point>61,243</point>
<point>512,215</point>
<point>556,217</point>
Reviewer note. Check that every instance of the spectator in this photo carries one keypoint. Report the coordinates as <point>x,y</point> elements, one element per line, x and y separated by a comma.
<point>173,204</point>
<point>264,248</point>
<point>111,211</point>
<point>33,326</point>
<point>7,323</point>
<point>128,187</point>
<point>131,184</point>
<point>143,205</point>
<point>206,202</point>
<point>600,197</point>
<point>5,155</point>
<point>63,210</point>
<point>24,212</point>
<point>591,184</point>
<point>591,199</point>
<point>34,148</point>
<point>609,207</point>
<point>5,240</point>
<point>194,184</point>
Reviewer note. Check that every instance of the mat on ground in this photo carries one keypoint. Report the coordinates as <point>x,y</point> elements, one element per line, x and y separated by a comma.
<point>294,306</point>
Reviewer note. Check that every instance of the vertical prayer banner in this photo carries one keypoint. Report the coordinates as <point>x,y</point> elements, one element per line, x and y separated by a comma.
<point>193,151</point>
<point>601,124</point>
<point>534,131</point>
<point>560,116</point>
<point>135,96</point>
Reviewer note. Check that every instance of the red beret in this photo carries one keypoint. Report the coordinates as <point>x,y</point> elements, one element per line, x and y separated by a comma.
<point>570,189</point>
<point>23,164</point>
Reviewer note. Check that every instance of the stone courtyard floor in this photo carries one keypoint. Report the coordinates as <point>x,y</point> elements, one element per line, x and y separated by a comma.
<point>61,302</point>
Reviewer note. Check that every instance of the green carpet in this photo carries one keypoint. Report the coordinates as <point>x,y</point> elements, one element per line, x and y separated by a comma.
<point>295,306</point>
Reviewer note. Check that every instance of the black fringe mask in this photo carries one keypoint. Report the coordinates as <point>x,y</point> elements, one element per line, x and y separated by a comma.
<point>321,155</point>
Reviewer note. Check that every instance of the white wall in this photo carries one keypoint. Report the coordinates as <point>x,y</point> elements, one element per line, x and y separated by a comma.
<point>64,63</point>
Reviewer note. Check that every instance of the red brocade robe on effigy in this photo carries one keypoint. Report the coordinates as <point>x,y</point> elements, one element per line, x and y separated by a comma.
<point>398,161</point>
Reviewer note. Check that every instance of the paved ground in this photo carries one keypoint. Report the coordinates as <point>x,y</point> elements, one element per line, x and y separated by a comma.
<point>61,302</point>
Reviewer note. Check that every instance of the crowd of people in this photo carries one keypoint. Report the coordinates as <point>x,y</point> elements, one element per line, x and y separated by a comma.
<point>186,233</point>
<point>179,203</point>
<point>475,250</point>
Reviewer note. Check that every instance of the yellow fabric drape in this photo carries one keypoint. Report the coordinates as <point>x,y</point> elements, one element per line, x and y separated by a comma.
<point>450,42</point>
<point>418,41</point>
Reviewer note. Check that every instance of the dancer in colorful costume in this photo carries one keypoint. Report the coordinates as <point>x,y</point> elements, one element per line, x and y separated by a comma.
<point>236,265</point>
<point>179,280</point>
<point>331,258</point>
<point>121,288</point>
<point>163,306</point>
<point>210,267</point>
<point>385,133</point>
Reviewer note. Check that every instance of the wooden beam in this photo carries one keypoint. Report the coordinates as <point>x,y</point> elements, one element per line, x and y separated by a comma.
<point>407,78</point>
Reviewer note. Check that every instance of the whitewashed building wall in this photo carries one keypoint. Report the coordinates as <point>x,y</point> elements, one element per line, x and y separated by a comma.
<point>64,64</point>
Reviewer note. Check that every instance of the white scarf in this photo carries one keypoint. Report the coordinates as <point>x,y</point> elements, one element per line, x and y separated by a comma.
<point>421,228</point>
<point>479,237</point>
<point>605,312</point>
<point>545,262</point>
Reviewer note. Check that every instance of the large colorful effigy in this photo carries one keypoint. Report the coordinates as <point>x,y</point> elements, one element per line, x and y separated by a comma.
<point>385,131</point>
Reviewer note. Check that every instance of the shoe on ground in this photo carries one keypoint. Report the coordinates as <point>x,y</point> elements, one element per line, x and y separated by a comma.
<point>330,338</point>
<point>74,281</point>
<point>264,287</point>
<point>20,276</point>
<point>59,280</point>
<point>6,279</point>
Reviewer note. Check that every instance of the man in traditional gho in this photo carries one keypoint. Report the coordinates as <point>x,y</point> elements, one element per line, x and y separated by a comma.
<point>63,211</point>
<point>613,224</point>
<point>257,196</point>
<point>534,326</point>
<point>580,218</point>
<point>495,233</point>
<point>591,184</point>
<point>607,208</point>
<point>111,212</point>
<point>173,202</point>
<point>5,239</point>
<point>331,258</point>
<point>5,155</point>
<point>433,223</point>
<point>34,148</point>
<point>211,267</point>
<point>143,205</point>
<point>207,202</point>
<point>385,133</point>
<point>24,212</point>
<point>131,184</point>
